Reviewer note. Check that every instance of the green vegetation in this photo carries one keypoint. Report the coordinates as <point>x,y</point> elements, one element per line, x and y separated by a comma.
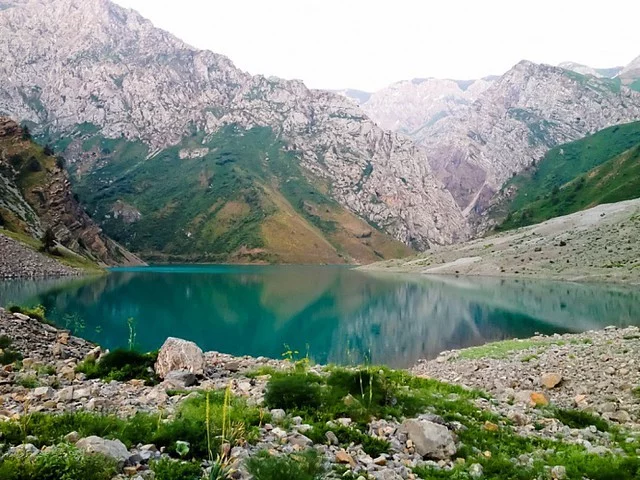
<point>601,168</point>
<point>121,365</point>
<point>504,348</point>
<point>8,355</point>
<point>62,462</point>
<point>304,466</point>
<point>190,424</point>
<point>37,312</point>
<point>580,419</point>
<point>245,188</point>
<point>167,469</point>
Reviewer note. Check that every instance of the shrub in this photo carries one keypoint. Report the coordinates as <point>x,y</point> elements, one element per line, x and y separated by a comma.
<point>167,469</point>
<point>60,463</point>
<point>37,312</point>
<point>121,365</point>
<point>298,391</point>
<point>580,419</point>
<point>48,150</point>
<point>5,342</point>
<point>28,381</point>
<point>48,240</point>
<point>304,466</point>
<point>34,165</point>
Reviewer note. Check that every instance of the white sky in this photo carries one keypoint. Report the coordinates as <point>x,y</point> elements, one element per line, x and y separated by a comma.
<point>369,44</point>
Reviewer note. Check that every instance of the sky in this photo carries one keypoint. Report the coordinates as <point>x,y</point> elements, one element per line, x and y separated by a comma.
<point>336,44</point>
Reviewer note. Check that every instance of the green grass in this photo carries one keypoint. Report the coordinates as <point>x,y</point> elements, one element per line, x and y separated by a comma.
<point>59,463</point>
<point>601,168</point>
<point>121,365</point>
<point>504,348</point>
<point>188,424</point>
<point>167,469</point>
<point>303,466</point>
<point>580,419</point>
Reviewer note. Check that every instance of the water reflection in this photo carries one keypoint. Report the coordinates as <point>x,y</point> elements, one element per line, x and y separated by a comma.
<point>342,315</point>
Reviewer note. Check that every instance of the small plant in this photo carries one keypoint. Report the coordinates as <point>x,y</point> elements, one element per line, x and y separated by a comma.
<point>580,419</point>
<point>289,354</point>
<point>304,466</point>
<point>28,381</point>
<point>168,469</point>
<point>7,354</point>
<point>5,342</point>
<point>37,312</point>
<point>121,365</point>
<point>131,323</point>
<point>62,462</point>
<point>294,391</point>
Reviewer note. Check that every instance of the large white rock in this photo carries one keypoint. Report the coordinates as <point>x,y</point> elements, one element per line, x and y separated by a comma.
<point>431,440</point>
<point>110,448</point>
<point>178,354</point>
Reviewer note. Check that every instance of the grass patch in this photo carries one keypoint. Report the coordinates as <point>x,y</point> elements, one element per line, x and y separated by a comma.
<point>167,469</point>
<point>121,365</point>
<point>62,462</point>
<point>28,381</point>
<point>37,312</point>
<point>303,466</point>
<point>502,349</point>
<point>580,419</point>
<point>189,424</point>
<point>8,355</point>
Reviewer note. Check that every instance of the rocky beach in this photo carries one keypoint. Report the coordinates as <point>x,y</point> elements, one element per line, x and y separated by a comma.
<point>544,395</point>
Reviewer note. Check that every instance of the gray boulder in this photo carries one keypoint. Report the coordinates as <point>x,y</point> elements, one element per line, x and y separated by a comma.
<point>109,448</point>
<point>178,354</point>
<point>178,379</point>
<point>431,440</point>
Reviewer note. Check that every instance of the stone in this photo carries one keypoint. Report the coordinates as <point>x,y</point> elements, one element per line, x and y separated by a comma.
<point>44,392</point>
<point>517,418</point>
<point>539,399</point>
<point>277,414</point>
<point>558,472</point>
<point>621,416</point>
<point>431,440</point>
<point>179,379</point>
<point>331,438</point>
<point>110,448</point>
<point>300,440</point>
<point>345,421</point>
<point>475,470</point>
<point>381,460</point>
<point>178,354</point>
<point>80,393</point>
<point>72,437</point>
<point>580,401</point>
<point>550,380</point>
<point>232,366</point>
<point>490,426</point>
<point>343,457</point>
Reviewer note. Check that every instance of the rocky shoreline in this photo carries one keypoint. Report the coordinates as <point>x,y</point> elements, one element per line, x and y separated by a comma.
<point>593,372</point>
<point>20,261</point>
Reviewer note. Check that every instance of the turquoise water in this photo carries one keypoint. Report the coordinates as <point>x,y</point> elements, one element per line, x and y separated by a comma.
<point>334,314</point>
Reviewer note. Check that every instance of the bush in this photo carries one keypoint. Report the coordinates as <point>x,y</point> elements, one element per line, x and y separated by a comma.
<point>580,419</point>
<point>122,365</point>
<point>167,469</point>
<point>8,355</point>
<point>48,150</point>
<point>304,466</point>
<point>34,165</point>
<point>48,240</point>
<point>60,463</point>
<point>298,391</point>
<point>5,342</point>
<point>37,312</point>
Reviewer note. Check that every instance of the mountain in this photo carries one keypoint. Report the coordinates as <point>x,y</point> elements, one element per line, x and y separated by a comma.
<point>601,168</point>
<point>586,70</point>
<point>631,74</point>
<point>513,123</point>
<point>35,196</point>
<point>99,73</point>
<point>411,105</point>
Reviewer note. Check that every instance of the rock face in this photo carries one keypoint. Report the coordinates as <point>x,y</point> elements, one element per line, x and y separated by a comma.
<point>36,195</point>
<point>431,440</point>
<point>411,105</point>
<point>178,354</point>
<point>523,114</point>
<point>95,63</point>
<point>631,72</point>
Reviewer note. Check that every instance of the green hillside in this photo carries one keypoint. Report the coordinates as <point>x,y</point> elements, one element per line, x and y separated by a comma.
<point>567,178</point>
<point>235,196</point>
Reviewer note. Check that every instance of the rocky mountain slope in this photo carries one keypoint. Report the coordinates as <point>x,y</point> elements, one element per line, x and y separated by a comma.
<point>512,124</point>
<point>599,245</point>
<point>600,168</point>
<point>96,69</point>
<point>411,105</point>
<point>35,195</point>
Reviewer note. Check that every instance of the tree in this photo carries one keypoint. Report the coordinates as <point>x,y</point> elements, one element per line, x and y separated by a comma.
<point>48,240</point>
<point>48,150</point>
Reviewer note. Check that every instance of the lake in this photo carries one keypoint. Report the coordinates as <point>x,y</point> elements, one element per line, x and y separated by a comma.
<point>333,314</point>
